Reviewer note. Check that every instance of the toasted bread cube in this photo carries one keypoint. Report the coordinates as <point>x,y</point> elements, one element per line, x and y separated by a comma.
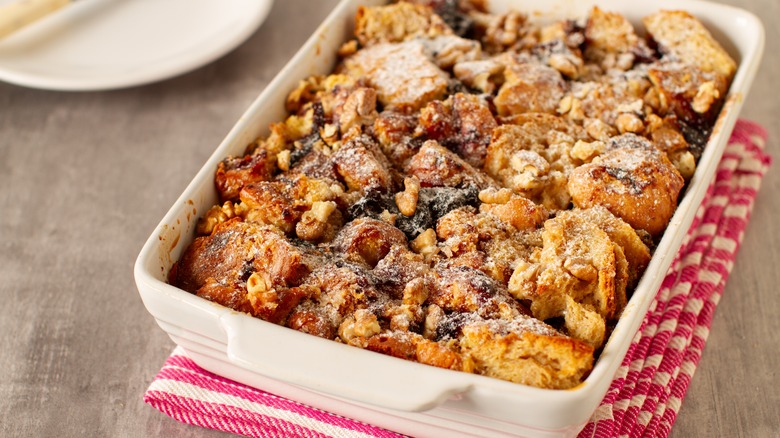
<point>397,22</point>
<point>684,38</point>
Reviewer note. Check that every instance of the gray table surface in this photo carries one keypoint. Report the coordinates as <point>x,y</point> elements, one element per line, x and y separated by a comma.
<point>85,177</point>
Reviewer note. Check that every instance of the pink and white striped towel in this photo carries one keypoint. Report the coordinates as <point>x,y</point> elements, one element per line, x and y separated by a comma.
<point>648,388</point>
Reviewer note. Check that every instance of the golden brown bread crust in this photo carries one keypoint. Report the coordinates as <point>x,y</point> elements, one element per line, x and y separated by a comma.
<point>411,346</point>
<point>437,166</point>
<point>529,87</point>
<point>695,71</point>
<point>582,272</point>
<point>403,75</point>
<point>611,39</point>
<point>222,256</point>
<point>234,173</point>
<point>395,133</point>
<point>481,204</point>
<point>397,22</point>
<point>523,351</point>
<point>367,240</point>
<point>462,289</point>
<point>692,94</point>
<point>462,123</point>
<point>273,203</point>
<point>633,180</point>
<point>362,167</point>
<point>681,36</point>
<point>398,268</point>
<point>634,249</point>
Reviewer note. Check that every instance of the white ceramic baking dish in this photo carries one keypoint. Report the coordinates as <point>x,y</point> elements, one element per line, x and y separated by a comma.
<point>399,395</point>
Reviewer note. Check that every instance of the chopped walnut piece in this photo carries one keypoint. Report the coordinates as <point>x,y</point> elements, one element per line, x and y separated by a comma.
<point>684,162</point>
<point>388,217</point>
<point>404,317</point>
<point>485,75</point>
<point>706,95</point>
<point>216,215</point>
<point>304,93</point>
<point>329,133</point>
<point>315,223</point>
<point>587,151</point>
<point>628,122</point>
<point>500,32</point>
<point>348,48</point>
<point>561,57</point>
<point>359,109</point>
<point>407,200</point>
<point>495,196</point>
<point>519,212</point>
<point>283,160</point>
<point>415,292</point>
<point>449,50</point>
<point>260,292</point>
<point>433,318</point>
<point>425,244</point>
<point>565,105</point>
<point>356,329</point>
<point>599,130</point>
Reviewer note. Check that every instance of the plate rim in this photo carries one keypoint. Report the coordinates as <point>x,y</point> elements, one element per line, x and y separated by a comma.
<point>132,76</point>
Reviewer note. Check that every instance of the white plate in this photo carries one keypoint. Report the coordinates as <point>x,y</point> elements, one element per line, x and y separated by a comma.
<point>104,44</point>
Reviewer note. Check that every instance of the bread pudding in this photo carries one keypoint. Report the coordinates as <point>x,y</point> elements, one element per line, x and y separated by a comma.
<point>471,191</point>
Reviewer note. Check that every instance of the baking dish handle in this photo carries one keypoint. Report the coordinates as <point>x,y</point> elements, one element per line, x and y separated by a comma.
<point>319,364</point>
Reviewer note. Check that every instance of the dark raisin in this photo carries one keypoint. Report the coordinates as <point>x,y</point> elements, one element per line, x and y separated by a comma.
<point>695,136</point>
<point>302,147</point>
<point>246,270</point>
<point>416,224</point>
<point>319,119</point>
<point>442,200</point>
<point>432,204</point>
<point>372,204</point>
<point>644,53</point>
<point>451,326</point>
<point>449,11</point>
<point>455,86</point>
